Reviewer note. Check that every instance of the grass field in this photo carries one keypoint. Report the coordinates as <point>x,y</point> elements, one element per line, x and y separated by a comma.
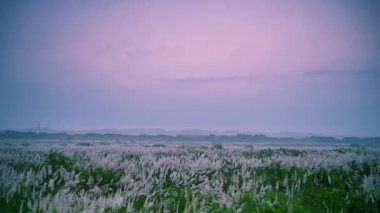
<point>160,176</point>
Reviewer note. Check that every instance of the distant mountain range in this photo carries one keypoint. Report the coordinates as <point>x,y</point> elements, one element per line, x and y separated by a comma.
<point>135,131</point>
<point>182,135</point>
<point>158,131</point>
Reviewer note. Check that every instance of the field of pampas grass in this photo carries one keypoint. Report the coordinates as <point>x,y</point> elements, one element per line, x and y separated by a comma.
<point>144,176</point>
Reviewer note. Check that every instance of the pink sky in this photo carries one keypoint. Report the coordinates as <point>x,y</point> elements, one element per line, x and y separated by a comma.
<point>252,65</point>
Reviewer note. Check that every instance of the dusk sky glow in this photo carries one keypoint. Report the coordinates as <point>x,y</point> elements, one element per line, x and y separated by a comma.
<point>271,66</point>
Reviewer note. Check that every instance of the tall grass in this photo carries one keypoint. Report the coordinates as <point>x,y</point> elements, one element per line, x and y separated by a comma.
<point>174,177</point>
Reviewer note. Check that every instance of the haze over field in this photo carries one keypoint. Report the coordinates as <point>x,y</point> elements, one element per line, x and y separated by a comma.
<point>270,66</point>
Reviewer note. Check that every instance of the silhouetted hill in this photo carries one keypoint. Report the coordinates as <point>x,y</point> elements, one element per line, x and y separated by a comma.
<point>9,134</point>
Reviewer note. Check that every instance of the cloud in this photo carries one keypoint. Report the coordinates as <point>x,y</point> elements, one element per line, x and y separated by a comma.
<point>210,79</point>
<point>342,73</point>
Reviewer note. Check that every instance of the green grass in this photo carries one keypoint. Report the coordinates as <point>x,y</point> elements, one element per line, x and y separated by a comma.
<point>277,187</point>
<point>268,153</point>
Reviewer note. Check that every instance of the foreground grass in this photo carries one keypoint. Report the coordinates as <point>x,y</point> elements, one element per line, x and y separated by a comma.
<point>97,178</point>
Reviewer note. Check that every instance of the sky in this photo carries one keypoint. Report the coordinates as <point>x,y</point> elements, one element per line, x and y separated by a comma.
<point>266,66</point>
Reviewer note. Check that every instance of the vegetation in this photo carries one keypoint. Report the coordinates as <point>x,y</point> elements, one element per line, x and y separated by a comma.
<point>174,177</point>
